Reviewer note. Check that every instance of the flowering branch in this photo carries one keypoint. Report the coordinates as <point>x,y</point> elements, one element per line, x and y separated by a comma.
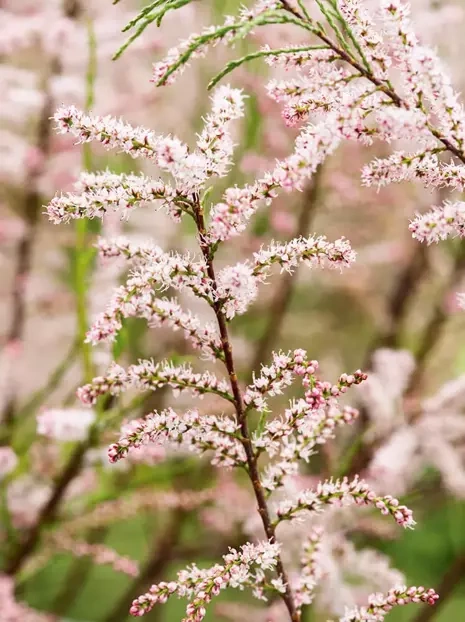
<point>343,492</point>
<point>380,604</point>
<point>150,376</point>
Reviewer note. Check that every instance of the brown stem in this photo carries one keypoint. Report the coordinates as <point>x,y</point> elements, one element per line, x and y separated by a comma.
<point>433,331</point>
<point>48,512</point>
<point>285,288</point>
<point>382,86</point>
<point>254,475</point>
<point>454,575</point>
<point>405,287</point>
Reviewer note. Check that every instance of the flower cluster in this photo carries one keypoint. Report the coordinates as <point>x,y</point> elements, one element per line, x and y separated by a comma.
<point>155,268</point>
<point>280,374</point>
<point>190,169</point>
<point>190,431</point>
<point>150,376</point>
<point>170,154</point>
<point>312,251</point>
<point>440,223</point>
<point>381,604</point>
<point>97,194</point>
<point>275,377</point>
<point>200,586</point>
<point>158,312</point>
<point>310,574</point>
<point>343,492</point>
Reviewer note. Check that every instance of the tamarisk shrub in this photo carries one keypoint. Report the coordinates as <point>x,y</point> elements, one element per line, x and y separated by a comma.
<point>269,449</point>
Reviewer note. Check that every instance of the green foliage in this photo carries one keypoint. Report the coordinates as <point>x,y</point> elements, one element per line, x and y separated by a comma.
<point>234,64</point>
<point>154,12</point>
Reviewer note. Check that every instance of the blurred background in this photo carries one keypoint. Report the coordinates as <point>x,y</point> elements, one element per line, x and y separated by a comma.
<point>394,313</point>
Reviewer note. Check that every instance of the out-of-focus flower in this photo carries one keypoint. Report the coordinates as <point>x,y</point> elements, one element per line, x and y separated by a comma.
<point>65,424</point>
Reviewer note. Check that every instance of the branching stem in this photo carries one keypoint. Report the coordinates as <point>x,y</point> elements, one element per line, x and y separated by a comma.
<point>241,414</point>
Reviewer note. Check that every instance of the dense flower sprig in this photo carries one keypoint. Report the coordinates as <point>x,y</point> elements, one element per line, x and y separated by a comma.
<point>190,169</point>
<point>379,605</point>
<point>343,492</point>
<point>296,436</point>
<point>97,194</point>
<point>312,251</point>
<point>311,572</point>
<point>150,376</point>
<point>157,312</point>
<point>157,268</point>
<point>190,431</point>
<point>275,377</point>
<point>215,141</point>
<point>200,586</point>
<point>280,374</point>
<point>170,154</point>
<point>440,223</point>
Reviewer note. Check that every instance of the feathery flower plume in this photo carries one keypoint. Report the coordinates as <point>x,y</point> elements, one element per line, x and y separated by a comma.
<point>96,194</point>
<point>200,586</point>
<point>440,223</point>
<point>379,605</point>
<point>343,492</point>
<point>190,431</point>
<point>150,376</point>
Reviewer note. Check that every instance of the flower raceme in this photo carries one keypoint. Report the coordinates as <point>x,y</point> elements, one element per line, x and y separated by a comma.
<point>359,112</point>
<point>440,223</point>
<point>189,431</point>
<point>343,492</point>
<point>347,88</point>
<point>150,376</point>
<point>200,586</point>
<point>190,169</point>
<point>381,604</point>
